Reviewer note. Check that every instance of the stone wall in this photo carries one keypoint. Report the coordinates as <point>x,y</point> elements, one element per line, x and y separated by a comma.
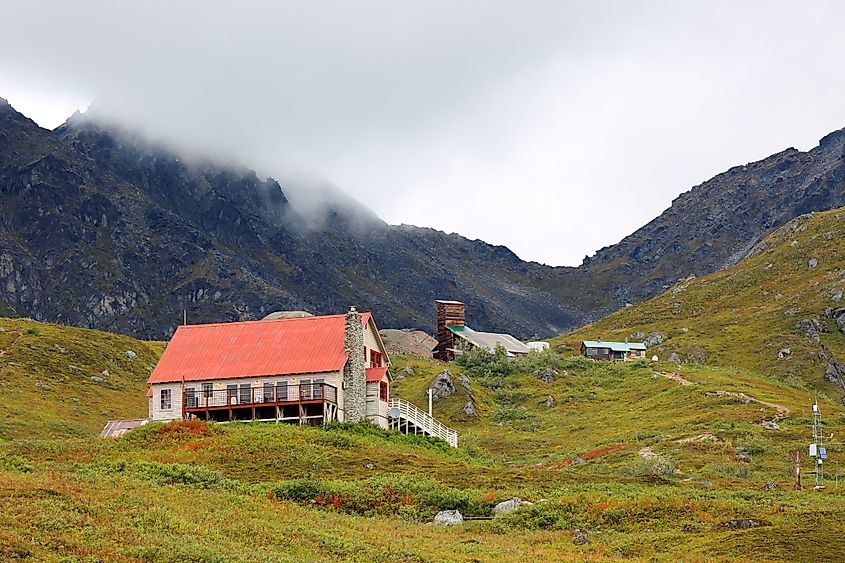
<point>354,374</point>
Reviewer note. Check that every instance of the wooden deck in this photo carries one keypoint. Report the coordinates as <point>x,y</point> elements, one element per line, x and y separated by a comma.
<point>306,403</point>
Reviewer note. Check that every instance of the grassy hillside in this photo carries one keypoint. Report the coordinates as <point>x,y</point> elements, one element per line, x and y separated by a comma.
<point>657,462</point>
<point>52,381</point>
<point>745,315</point>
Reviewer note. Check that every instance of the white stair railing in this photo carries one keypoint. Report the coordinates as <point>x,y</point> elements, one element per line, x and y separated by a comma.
<point>401,411</point>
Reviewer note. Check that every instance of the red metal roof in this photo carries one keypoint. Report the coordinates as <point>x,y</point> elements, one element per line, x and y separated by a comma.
<point>376,374</point>
<point>254,349</point>
<point>149,391</point>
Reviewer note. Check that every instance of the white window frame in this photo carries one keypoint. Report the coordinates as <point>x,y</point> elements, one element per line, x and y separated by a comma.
<point>168,405</point>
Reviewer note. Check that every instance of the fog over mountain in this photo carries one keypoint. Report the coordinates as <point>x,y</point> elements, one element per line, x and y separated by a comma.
<point>524,117</point>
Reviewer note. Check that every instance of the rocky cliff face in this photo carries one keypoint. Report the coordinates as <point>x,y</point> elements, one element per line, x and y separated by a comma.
<point>100,229</point>
<point>716,223</point>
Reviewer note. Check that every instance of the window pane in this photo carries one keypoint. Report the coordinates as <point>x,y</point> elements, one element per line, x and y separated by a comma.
<point>166,403</point>
<point>282,391</point>
<point>190,397</point>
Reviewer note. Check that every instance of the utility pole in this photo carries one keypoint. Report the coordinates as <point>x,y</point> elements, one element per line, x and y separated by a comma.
<point>797,470</point>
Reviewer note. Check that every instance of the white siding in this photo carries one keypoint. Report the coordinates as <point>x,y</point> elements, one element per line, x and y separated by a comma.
<point>376,408</point>
<point>373,342</point>
<point>175,411</point>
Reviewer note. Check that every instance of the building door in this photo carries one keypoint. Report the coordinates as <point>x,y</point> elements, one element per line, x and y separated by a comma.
<point>190,398</point>
<point>282,391</point>
<point>207,393</point>
<point>268,393</point>
<point>246,394</point>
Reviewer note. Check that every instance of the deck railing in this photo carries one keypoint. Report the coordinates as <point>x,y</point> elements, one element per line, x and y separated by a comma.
<point>259,396</point>
<point>409,412</point>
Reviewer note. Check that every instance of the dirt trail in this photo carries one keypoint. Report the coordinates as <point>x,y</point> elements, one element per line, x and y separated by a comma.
<point>10,346</point>
<point>782,411</point>
<point>676,377</point>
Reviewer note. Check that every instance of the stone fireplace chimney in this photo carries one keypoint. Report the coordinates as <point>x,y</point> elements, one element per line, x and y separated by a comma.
<point>354,374</point>
<point>449,313</point>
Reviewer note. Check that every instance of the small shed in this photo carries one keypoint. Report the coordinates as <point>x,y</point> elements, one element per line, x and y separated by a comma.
<point>624,351</point>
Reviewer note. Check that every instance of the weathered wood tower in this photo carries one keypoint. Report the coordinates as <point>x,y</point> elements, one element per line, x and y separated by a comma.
<point>449,313</point>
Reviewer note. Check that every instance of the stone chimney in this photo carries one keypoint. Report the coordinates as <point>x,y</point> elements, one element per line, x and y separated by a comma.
<point>354,374</point>
<point>449,313</point>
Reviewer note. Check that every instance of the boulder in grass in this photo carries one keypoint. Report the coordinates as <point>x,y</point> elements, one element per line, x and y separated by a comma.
<point>507,505</point>
<point>580,536</point>
<point>654,339</point>
<point>546,375</point>
<point>442,384</point>
<point>448,518</point>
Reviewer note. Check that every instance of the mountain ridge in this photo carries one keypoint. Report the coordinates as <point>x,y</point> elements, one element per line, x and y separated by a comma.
<point>107,230</point>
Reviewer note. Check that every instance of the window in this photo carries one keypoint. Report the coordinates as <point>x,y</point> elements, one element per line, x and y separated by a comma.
<point>592,352</point>
<point>375,359</point>
<point>232,394</point>
<point>190,398</point>
<point>282,391</point>
<point>207,390</point>
<point>311,389</point>
<point>245,395</point>
<point>166,400</point>
<point>382,390</point>
<point>268,393</point>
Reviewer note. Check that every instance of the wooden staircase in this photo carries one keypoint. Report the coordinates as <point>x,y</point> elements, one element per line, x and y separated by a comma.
<point>409,419</point>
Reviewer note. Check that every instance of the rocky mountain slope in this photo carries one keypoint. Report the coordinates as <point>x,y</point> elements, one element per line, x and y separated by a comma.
<point>779,312</point>
<point>714,224</point>
<point>101,229</point>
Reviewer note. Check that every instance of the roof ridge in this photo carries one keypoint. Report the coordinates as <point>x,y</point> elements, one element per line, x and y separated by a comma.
<point>230,323</point>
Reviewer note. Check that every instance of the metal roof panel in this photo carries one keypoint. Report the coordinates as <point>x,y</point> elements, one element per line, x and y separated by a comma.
<point>254,349</point>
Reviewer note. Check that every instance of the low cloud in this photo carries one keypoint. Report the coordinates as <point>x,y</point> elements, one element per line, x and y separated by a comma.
<point>554,128</point>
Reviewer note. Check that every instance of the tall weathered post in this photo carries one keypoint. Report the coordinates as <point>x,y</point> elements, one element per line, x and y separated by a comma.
<point>354,374</point>
<point>449,313</point>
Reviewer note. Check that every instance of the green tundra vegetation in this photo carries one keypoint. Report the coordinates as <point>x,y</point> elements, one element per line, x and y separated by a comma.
<point>652,460</point>
<point>745,315</point>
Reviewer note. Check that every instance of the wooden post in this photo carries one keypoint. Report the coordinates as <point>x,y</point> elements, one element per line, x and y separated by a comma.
<point>797,470</point>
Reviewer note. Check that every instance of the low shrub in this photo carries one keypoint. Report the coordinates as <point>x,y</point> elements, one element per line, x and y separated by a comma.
<point>11,462</point>
<point>654,466</point>
<point>339,434</point>
<point>412,498</point>
<point>178,430</point>
<point>194,476</point>
<point>518,417</point>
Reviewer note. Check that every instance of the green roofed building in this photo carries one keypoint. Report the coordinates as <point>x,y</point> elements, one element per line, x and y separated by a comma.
<point>455,338</point>
<point>625,351</point>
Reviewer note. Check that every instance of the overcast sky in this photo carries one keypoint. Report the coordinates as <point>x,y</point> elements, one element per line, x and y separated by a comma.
<point>554,128</point>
